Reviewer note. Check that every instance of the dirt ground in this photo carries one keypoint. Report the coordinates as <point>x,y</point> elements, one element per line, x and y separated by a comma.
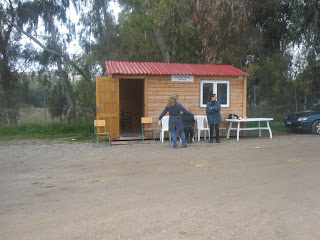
<point>256,188</point>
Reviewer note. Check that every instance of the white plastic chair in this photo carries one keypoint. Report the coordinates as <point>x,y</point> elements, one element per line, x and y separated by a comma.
<point>202,125</point>
<point>164,128</point>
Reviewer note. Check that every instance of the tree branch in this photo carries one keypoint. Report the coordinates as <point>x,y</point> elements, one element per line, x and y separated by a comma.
<point>65,57</point>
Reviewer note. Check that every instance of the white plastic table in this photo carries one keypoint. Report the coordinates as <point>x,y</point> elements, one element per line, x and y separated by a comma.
<point>239,128</point>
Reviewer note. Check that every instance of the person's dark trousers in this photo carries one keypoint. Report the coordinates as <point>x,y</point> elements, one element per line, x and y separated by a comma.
<point>188,131</point>
<point>216,126</point>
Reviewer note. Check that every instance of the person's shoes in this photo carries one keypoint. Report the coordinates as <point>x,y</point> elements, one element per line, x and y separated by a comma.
<point>175,146</point>
<point>211,141</point>
<point>218,141</point>
<point>185,146</point>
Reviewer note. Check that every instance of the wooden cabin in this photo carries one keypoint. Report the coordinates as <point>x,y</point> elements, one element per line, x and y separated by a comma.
<point>135,89</point>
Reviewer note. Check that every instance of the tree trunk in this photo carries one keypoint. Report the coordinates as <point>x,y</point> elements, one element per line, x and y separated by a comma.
<point>163,46</point>
<point>12,111</point>
<point>69,93</point>
<point>9,85</point>
<point>8,79</point>
<point>101,37</point>
<point>62,76</point>
<point>305,103</point>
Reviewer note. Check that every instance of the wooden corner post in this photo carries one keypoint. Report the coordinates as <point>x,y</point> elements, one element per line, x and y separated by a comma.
<point>244,102</point>
<point>244,106</point>
<point>146,97</point>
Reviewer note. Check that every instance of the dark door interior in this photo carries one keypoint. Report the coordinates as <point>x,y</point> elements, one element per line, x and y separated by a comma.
<point>131,107</point>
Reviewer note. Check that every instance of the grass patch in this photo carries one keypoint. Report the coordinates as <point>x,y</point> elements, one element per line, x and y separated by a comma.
<point>276,126</point>
<point>53,130</point>
<point>277,113</point>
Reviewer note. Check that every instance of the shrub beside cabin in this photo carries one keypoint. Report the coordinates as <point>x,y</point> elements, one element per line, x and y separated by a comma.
<point>136,89</point>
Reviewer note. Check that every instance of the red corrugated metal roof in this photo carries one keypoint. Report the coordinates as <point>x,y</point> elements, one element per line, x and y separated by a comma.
<point>157,68</point>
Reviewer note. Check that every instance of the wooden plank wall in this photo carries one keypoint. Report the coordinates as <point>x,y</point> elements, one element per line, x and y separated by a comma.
<point>160,88</point>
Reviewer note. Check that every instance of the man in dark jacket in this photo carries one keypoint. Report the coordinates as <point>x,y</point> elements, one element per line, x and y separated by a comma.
<point>213,116</point>
<point>188,122</point>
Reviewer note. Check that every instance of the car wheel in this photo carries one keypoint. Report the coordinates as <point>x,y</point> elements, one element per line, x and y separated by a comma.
<point>316,127</point>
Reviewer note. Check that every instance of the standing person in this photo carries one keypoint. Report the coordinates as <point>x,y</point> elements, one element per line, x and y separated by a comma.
<point>175,120</point>
<point>188,122</point>
<point>213,115</point>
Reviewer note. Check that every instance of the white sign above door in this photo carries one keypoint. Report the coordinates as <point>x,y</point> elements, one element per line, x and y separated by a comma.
<point>182,78</point>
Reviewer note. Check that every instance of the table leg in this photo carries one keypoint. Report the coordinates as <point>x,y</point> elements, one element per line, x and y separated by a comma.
<point>228,134</point>
<point>270,132</point>
<point>259,129</point>
<point>238,131</point>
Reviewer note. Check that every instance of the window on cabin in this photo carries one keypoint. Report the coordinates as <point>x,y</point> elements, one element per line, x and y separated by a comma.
<point>221,88</point>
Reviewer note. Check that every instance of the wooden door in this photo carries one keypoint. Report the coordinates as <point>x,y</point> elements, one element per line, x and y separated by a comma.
<point>107,100</point>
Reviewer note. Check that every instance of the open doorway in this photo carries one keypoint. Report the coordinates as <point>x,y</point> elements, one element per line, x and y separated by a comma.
<point>131,107</point>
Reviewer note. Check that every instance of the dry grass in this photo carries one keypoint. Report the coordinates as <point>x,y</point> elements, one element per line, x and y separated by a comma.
<point>34,115</point>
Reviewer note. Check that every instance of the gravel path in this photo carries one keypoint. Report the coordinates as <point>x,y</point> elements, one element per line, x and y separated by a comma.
<point>253,189</point>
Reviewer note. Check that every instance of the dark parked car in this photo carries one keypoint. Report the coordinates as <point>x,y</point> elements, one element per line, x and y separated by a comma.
<point>307,120</point>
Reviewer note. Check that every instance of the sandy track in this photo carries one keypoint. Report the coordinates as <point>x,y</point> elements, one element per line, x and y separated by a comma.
<point>232,190</point>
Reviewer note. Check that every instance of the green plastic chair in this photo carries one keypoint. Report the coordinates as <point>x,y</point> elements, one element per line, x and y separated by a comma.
<point>145,121</point>
<point>100,131</point>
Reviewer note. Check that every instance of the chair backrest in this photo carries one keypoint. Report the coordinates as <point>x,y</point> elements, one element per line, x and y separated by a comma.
<point>201,121</point>
<point>146,120</point>
<point>165,123</point>
<point>100,126</point>
<point>99,123</point>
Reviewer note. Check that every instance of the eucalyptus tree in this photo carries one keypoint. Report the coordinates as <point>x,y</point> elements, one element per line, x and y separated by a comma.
<point>255,35</point>
<point>98,35</point>
<point>306,19</point>
<point>239,31</point>
<point>225,30</point>
<point>57,103</point>
<point>291,30</point>
<point>10,52</point>
<point>138,42</point>
<point>272,20</point>
<point>52,14</point>
<point>160,29</point>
